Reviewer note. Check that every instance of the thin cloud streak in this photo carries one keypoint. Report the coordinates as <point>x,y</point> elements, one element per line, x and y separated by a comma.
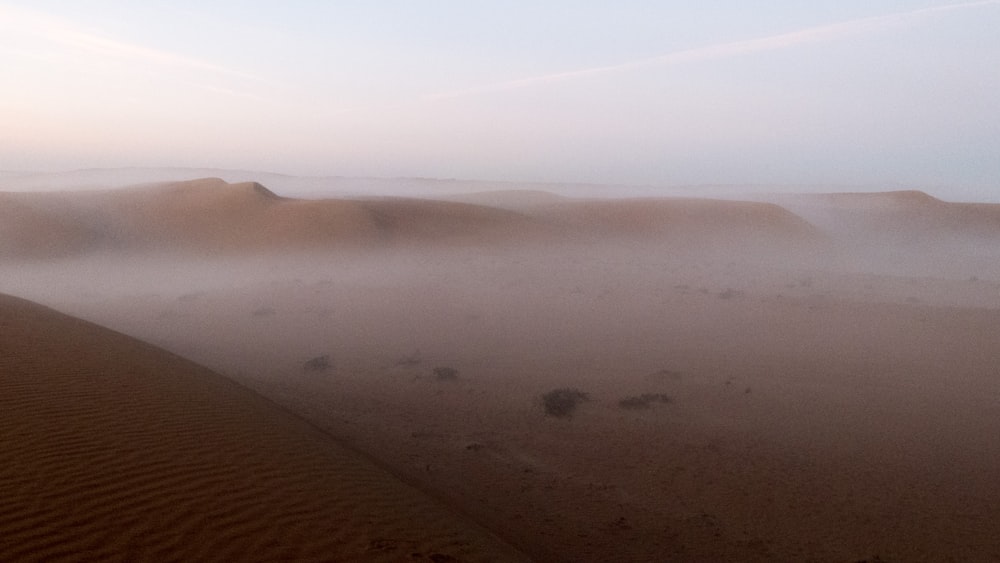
<point>806,36</point>
<point>73,36</point>
<point>111,48</point>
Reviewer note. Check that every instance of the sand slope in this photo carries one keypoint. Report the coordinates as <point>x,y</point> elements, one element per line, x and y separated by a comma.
<point>212,216</point>
<point>682,221</point>
<point>116,450</point>
<point>901,217</point>
<point>515,200</point>
<point>29,232</point>
<point>815,415</point>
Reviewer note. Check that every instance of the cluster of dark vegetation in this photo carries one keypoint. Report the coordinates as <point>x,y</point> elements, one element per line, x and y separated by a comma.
<point>445,374</point>
<point>319,363</point>
<point>562,402</point>
<point>643,401</point>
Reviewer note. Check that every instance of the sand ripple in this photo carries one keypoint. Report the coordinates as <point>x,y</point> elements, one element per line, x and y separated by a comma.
<point>117,450</point>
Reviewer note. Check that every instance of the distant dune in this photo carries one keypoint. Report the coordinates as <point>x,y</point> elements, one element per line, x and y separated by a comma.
<point>27,232</point>
<point>311,187</point>
<point>212,216</point>
<point>682,220</point>
<point>406,220</point>
<point>316,187</point>
<point>514,200</point>
<point>116,450</point>
<point>901,217</point>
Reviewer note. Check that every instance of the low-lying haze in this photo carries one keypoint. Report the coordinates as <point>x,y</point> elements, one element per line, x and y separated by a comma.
<point>558,281</point>
<point>812,377</point>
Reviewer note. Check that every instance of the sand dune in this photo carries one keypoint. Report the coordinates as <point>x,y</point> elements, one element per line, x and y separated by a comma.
<point>679,219</point>
<point>310,187</point>
<point>212,216</point>
<point>836,404</point>
<point>685,221</point>
<point>514,200</point>
<point>902,217</point>
<point>416,220</point>
<point>27,232</point>
<point>115,450</point>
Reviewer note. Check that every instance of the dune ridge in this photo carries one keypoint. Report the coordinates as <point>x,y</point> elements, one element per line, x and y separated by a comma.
<point>896,217</point>
<point>117,450</point>
<point>681,220</point>
<point>213,216</point>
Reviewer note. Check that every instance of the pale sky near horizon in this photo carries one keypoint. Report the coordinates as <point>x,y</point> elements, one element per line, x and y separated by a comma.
<point>894,93</point>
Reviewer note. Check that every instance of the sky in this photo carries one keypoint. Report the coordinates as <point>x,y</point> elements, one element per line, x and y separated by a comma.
<point>873,92</point>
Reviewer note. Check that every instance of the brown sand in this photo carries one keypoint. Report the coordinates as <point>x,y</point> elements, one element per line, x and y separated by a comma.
<point>247,218</point>
<point>899,218</point>
<point>826,404</point>
<point>26,232</point>
<point>680,219</point>
<point>115,450</point>
<point>805,424</point>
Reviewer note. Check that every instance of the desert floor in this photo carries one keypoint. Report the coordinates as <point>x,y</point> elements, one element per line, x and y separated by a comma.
<point>813,382</point>
<point>822,406</point>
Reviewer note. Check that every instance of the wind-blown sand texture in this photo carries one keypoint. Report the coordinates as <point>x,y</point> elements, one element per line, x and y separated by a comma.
<point>115,450</point>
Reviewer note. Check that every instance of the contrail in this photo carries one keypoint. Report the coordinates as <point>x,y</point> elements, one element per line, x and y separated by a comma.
<point>817,34</point>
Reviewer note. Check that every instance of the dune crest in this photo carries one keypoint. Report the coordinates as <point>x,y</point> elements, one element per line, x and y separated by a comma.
<point>212,216</point>
<point>683,220</point>
<point>874,199</point>
<point>901,218</point>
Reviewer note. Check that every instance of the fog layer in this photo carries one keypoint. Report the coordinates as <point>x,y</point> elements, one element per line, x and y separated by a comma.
<point>826,364</point>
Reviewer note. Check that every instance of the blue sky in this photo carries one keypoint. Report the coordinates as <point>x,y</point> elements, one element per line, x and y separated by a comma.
<point>666,93</point>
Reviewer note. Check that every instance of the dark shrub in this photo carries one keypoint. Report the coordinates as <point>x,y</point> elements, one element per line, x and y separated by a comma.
<point>643,401</point>
<point>633,403</point>
<point>445,374</point>
<point>562,402</point>
<point>319,363</point>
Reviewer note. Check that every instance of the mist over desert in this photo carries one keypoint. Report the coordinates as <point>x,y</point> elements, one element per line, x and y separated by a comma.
<point>787,377</point>
<point>486,282</point>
